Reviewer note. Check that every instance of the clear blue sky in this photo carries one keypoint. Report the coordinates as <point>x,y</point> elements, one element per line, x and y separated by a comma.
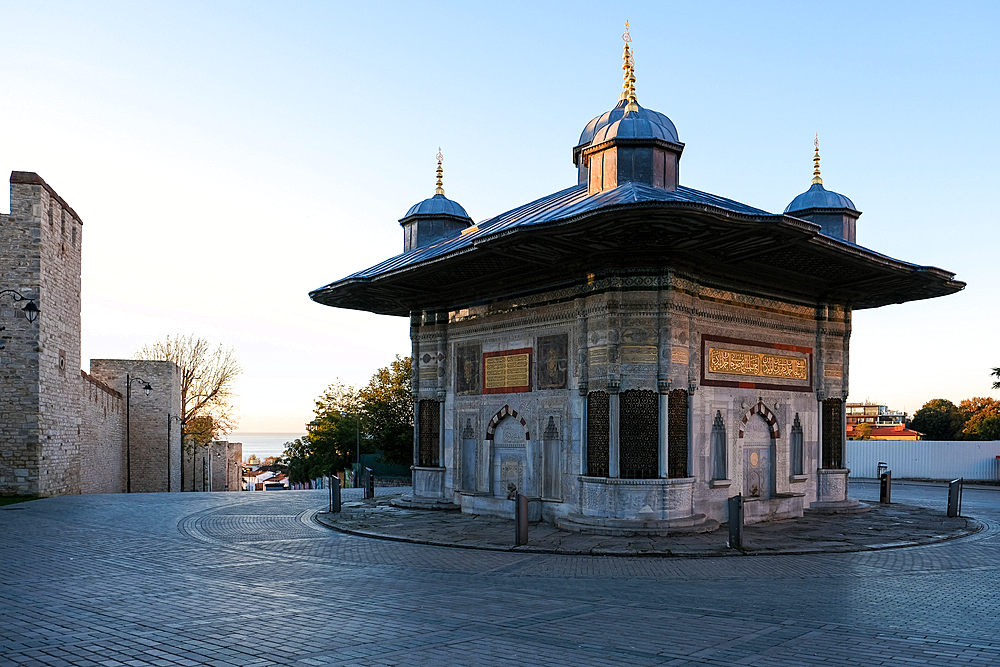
<point>228,157</point>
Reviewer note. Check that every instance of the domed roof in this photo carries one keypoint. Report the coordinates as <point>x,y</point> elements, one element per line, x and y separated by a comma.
<point>437,205</point>
<point>644,123</point>
<point>819,197</point>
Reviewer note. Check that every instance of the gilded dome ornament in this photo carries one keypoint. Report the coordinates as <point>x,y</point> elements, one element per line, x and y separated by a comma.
<point>440,172</point>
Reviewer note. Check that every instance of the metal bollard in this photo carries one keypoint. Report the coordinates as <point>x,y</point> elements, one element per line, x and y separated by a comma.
<point>955,497</point>
<point>369,483</point>
<point>521,519</point>
<point>885,488</point>
<point>334,494</point>
<point>736,522</point>
<point>520,514</point>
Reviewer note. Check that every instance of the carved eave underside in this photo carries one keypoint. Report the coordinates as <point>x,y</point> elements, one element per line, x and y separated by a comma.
<point>776,254</point>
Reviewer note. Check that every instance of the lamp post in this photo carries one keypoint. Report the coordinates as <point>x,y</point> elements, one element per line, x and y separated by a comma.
<point>357,433</point>
<point>30,310</point>
<point>128,426</point>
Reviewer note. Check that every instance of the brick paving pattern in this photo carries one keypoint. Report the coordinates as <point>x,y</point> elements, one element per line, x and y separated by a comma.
<point>250,579</point>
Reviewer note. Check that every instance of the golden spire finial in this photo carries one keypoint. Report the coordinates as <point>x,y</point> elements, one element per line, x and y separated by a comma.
<point>440,171</point>
<point>816,178</point>
<point>629,66</point>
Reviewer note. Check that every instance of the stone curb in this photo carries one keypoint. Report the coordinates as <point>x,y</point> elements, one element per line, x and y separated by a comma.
<point>972,526</point>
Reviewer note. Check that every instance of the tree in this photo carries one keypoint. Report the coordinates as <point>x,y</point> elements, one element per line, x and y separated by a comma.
<point>333,436</point>
<point>387,409</point>
<point>208,378</point>
<point>996,372</point>
<point>982,416</point>
<point>939,419</point>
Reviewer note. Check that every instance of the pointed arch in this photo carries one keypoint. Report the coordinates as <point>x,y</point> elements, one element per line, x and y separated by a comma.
<point>765,412</point>
<point>503,413</point>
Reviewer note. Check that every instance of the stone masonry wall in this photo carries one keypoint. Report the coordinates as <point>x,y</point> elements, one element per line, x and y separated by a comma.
<point>153,451</point>
<point>102,449</point>
<point>40,250</point>
<point>227,458</point>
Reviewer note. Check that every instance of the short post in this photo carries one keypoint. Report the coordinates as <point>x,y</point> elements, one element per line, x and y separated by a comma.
<point>736,522</point>
<point>334,494</point>
<point>521,518</point>
<point>885,487</point>
<point>369,483</point>
<point>955,497</point>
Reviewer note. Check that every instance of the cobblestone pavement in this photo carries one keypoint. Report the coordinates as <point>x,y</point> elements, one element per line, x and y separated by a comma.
<point>883,527</point>
<point>250,579</point>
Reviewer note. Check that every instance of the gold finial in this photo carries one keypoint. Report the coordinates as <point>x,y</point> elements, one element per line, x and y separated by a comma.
<point>816,178</point>
<point>440,171</point>
<point>629,66</point>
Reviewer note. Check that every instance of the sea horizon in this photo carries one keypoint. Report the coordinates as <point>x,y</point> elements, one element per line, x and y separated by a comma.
<point>263,444</point>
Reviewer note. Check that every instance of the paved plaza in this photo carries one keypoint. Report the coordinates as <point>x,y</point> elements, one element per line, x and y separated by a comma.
<point>251,579</point>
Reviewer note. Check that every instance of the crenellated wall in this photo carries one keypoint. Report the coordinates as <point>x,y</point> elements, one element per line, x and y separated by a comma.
<point>62,432</point>
<point>102,449</point>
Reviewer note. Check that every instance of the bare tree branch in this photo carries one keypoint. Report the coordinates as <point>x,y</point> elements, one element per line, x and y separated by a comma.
<point>208,376</point>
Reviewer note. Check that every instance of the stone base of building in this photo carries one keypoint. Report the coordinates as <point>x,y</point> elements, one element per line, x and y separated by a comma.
<point>475,503</point>
<point>408,500</point>
<point>579,523</point>
<point>838,507</point>
<point>831,494</point>
<point>777,507</point>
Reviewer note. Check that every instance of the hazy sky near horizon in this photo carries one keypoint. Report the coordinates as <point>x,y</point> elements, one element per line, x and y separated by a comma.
<point>228,157</point>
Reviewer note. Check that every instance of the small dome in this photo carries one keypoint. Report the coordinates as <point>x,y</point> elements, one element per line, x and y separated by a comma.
<point>437,205</point>
<point>661,127</point>
<point>819,197</point>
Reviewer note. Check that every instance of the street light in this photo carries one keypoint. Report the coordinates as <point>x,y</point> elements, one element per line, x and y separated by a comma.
<point>357,432</point>
<point>128,426</point>
<point>30,310</point>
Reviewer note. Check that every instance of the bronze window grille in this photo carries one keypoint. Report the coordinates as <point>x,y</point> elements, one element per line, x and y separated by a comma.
<point>639,434</point>
<point>677,433</point>
<point>598,433</point>
<point>833,433</point>
<point>430,429</point>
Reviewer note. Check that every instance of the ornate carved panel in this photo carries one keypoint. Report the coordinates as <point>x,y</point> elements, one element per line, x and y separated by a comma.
<point>720,467</point>
<point>677,433</point>
<point>553,361</point>
<point>639,434</point>
<point>598,433</point>
<point>430,433</point>
<point>796,446</point>
<point>467,369</point>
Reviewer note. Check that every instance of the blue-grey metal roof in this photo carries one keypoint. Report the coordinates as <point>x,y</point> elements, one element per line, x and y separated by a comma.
<point>437,205</point>
<point>668,130</point>
<point>819,197</point>
<point>561,205</point>
<point>635,126</point>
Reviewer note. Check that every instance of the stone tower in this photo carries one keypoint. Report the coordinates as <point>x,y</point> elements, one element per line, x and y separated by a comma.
<point>40,253</point>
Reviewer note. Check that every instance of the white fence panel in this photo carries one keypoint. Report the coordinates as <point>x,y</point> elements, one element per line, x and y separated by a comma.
<point>925,459</point>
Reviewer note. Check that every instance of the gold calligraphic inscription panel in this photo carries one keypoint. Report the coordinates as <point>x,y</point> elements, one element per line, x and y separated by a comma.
<point>511,370</point>
<point>598,355</point>
<point>756,364</point>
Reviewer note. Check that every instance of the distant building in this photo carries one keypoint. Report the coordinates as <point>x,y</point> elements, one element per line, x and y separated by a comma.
<point>894,432</point>
<point>874,414</point>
